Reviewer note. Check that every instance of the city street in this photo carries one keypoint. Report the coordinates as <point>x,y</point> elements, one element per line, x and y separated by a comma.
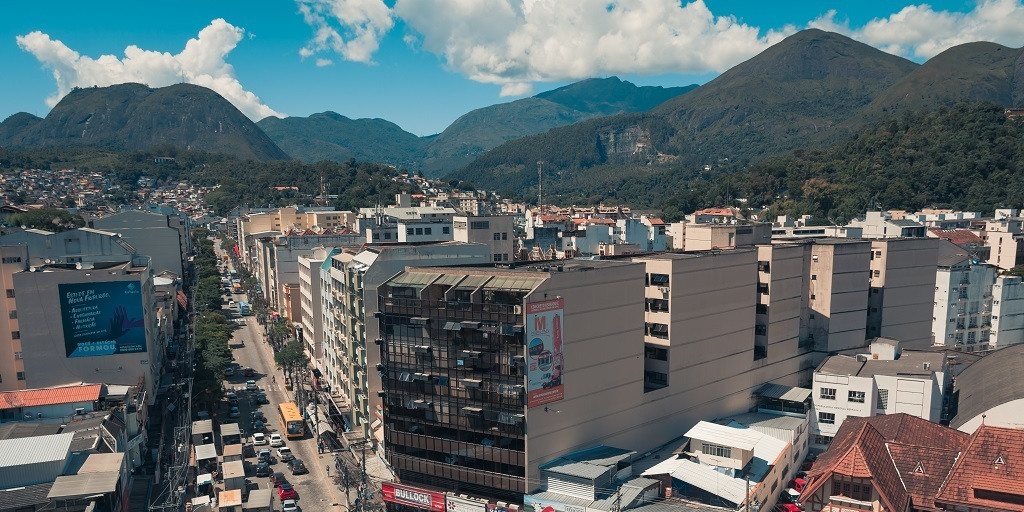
<point>316,489</point>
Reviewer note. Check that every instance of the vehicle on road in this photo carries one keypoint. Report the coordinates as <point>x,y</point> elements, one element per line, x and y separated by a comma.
<point>276,440</point>
<point>290,506</point>
<point>250,385</point>
<point>259,439</point>
<point>233,412</point>
<point>249,372</point>
<point>297,467</point>
<point>294,426</point>
<point>263,469</point>
<point>277,479</point>
<point>284,454</point>
<point>261,398</point>
<point>286,492</point>
<point>258,415</point>
<point>229,371</point>
<point>232,398</point>
<point>265,456</point>
<point>231,303</point>
<point>258,426</point>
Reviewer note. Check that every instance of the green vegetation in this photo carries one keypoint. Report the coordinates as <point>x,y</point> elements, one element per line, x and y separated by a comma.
<point>292,359</point>
<point>332,136</point>
<point>213,331</point>
<point>50,219</point>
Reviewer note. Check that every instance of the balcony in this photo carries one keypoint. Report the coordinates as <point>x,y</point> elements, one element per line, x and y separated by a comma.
<point>472,450</point>
<point>514,484</point>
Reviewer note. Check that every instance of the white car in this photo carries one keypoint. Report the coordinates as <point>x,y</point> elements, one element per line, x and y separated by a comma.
<point>250,385</point>
<point>284,454</point>
<point>259,439</point>
<point>275,440</point>
<point>289,506</point>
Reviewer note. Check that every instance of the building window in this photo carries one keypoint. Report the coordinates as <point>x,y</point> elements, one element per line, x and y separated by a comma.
<point>504,235</point>
<point>14,314</point>
<point>716,450</point>
<point>761,309</point>
<point>497,236</point>
<point>828,393</point>
<point>17,355</point>
<point>814,277</point>
<point>761,330</point>
<point>11,259</point>
<point>877,273</point>
<point>496,257</point>
<point>15,335</point>
<point>10,293</point>
<point>480,224</point>
<point>823,440</point>
<point>856,396</point>
<point>446,230</point>
<point>657,305</point>
<point>427,231</point>
<point>883,399</point>
<point>657,330</point>
<point>409,231</point>
<point>657,353</point>
<point>419,231</point>
<point>827,418</point>
<point>812,296</point>
<point>387,235</point>
<point>659,279</point>
<point>762,288</point>
<point>655,380</point>
<point>21,375</point>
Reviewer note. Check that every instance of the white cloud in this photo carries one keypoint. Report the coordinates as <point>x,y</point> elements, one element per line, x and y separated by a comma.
<point>516,42</point>
<point>918,31</point>
<point>201,62</point>
<point>324,62</point>
<point>351,28</point>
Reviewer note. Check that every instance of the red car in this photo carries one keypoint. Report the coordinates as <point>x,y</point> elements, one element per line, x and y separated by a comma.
<point>286,492</point>
<point>787,507</point>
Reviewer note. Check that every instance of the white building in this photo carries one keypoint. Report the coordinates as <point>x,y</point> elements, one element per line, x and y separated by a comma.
<point>883,225</point>
<point>496,231</point>
<point>887,380</point>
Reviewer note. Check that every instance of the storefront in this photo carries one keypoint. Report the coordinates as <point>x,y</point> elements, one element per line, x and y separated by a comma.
<point>404,498</point>
<point>462,503</point>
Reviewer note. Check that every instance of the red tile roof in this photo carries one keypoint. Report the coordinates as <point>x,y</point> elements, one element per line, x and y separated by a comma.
<point>716,211</point>
<point>657,222</point>
<point>50,396</point>
<point>990,473</point>
<point>888,449</point>
<point>958,236</point>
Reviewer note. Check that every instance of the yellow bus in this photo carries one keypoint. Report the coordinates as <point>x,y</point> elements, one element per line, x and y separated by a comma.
<point>294,426</point>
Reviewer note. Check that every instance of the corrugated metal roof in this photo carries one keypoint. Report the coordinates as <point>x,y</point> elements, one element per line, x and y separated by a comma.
<point>230,429</point>
<point>230,498</point>
<point>86,484</point>
<point>665,467</point>
<point>419,279</point>
<point>449,279</point>
<point>206,451</point>
<point>259,498</point>
<point>25,497</point>
<point>522,284</point>
<point>234,469</point>
<point>102,462</point>
<point>726,436</point>
<point>706,478</point>
<point>50,396</point>
<point>568,467</point>
<point>33,450</point>
<point>778,391</point>
<point>202,427</point>
<point>473,282</point>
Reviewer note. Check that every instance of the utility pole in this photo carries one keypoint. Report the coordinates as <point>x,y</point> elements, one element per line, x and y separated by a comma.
<point>540,183</point>
<point>746,503</point>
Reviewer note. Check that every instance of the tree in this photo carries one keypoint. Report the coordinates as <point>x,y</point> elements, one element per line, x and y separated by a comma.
<point>49,219</point>
<point>278,333</point>
<point>291,358</point>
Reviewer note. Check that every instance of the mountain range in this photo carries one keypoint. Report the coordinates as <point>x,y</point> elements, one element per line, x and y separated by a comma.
<point>811,90</point>
<point>330,136</point>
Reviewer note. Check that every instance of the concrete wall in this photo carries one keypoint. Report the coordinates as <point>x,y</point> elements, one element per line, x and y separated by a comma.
<point>837,289</point>
<point>1004,415</point>
<point>500,225</point>
<point>1007,312</point>
<point>150,233</point>
<point>15,259</point>
<point>903,272</point>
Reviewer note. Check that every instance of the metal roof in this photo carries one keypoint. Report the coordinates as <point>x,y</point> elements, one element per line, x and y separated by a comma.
<point>780,392</point>
<point>777,426</point>
<point>26,497</point>
<point>572,468</point>
<point>449,279</point>
<point>85,484</point>
<point>590,464</point>
<point>202,427</point>
<point>230,429</point>
<point>234,469</point>
<point>230,498</point>
<point>206,451</point>
<point>259,498</point>
<point>50,396</point>
<point>521,284</point>
<point>744,439</point>
<point>102,463</point>
<point>473,282</point>
<point>989,382</point>
<point>708,479</point>
<point>33,450</point>
<point>419,279</point>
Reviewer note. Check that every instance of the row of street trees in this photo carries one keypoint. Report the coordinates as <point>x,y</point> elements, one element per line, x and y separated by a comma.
<point>213,330</point>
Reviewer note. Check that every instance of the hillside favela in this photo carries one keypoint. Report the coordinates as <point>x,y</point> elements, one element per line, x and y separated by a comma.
<point>512,256</point>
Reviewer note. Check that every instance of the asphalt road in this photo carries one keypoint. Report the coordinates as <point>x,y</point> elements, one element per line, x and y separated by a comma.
<point>316,490</point>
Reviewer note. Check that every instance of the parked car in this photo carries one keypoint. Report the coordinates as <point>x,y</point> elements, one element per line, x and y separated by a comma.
<point>276,440</point>
<point>259,439</point>
<point>250,385</point>
<point>261,398</point>
<point>284,454</point>
<point>257,426</point>
<point>286,492</point>
<point>290,506</point>
<point>249,372</point>
<point>277,479</point>
<point>233,412</point>
<point>786,507</point>
<point>265,456</point>
<point>263,469</point>
<point>231,303</point>
<point>232,398</point>
<point>258,416</point>
<point>297,467</point>
<point>229,371</point>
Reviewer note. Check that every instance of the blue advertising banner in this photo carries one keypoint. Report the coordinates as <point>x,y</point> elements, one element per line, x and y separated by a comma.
<point>102,318</point>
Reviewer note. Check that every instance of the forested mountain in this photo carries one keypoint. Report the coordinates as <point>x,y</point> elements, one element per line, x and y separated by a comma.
<point>332,136</point>
<point>329,136</point>
<point>789,96</point>
<point>15,124</point>
<point>134,116</point>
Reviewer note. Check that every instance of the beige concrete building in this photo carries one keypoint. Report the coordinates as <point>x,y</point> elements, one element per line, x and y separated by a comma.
<point>902,282</point>
<point>310,316</point>
<point>291,218</point>
<point>780,332</point>
<point>837,292</point>
<point>1005,238</point>
<point>704,237</point>
<point>496,231</point>
<point>12,365</point>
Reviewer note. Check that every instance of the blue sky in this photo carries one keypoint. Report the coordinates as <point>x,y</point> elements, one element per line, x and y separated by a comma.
<point>423,63</point>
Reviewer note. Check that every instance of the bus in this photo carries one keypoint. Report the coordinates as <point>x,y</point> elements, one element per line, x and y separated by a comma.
<point>243,309</point>
<point>294,427</point>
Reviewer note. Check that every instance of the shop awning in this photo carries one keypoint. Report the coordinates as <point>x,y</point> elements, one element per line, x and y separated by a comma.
<point>82,485</point>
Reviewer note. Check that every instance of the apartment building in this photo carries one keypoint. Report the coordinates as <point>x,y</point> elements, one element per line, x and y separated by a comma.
<point>496,231</point>
<point>282,220</point>
<point>89,323</point>
<point>780,331</point>
<point>276,263</point>
<point>645,346</point>
<point>1004,236</point>
<point>902,281</point>
<point>885,225</point>
<point>13,259</point>
<point>707,236</point>
<point>885,380</point>
<point>151,234</point>
<point>355,276</point>
<point>310,315</point>
<point>837,291</point>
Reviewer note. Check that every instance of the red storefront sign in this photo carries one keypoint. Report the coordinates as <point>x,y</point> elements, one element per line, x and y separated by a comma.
<point>413,497</point>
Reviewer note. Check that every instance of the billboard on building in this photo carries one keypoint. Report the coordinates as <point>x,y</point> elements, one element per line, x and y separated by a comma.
<point>544,352</point>
<point>413,497</point>
<point>102,318</point>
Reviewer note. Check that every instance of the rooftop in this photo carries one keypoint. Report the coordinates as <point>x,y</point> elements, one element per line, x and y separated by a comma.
<point>989,475</point>
<point>34,450</point>
<point>50,396</point>
<point>910,362</point>
<point>990,381</point>
<point>733,437</point>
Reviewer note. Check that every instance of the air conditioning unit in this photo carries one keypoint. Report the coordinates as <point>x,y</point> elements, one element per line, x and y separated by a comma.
<point>663,289</point>
<point>80,411</point>
<point>517,310</point>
